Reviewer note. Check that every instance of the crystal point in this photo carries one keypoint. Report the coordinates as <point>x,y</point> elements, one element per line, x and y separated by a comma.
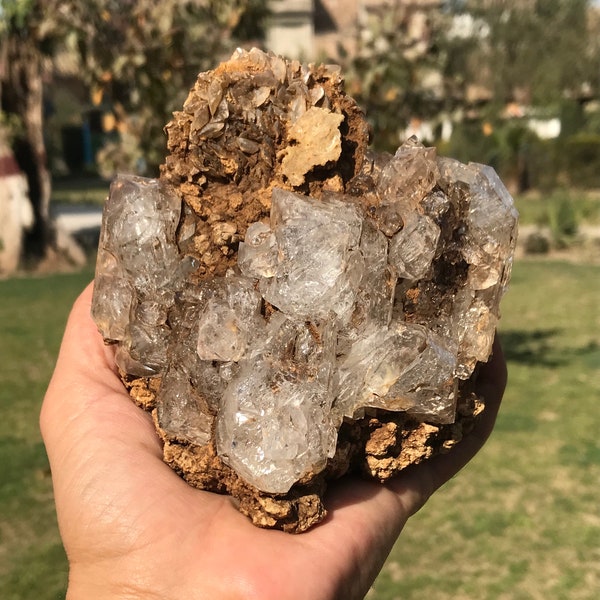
<point>284,298</point>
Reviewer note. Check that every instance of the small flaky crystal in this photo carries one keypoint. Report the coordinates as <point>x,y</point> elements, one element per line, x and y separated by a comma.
<point>292,306</point>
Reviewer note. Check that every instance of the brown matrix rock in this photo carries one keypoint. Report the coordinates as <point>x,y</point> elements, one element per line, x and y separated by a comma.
<point>291,306</point>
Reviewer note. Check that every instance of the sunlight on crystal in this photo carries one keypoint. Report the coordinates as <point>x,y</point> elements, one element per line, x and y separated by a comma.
<point>334,305</point>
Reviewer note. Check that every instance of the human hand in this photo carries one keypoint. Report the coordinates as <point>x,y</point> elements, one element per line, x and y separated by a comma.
<point>133,529</point>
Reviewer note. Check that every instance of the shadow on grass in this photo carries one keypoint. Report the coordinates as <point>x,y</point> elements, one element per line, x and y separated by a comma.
<point>535,347</point>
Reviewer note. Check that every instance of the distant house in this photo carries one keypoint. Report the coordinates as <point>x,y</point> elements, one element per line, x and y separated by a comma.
<point>315,29</point>
<point>292,32</point>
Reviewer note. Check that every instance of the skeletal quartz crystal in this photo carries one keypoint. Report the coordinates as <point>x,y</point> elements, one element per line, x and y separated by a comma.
<point>290,305</point>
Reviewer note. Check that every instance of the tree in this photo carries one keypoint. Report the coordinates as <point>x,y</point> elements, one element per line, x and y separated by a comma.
<point>23,41</point>
<point>403,68</point>
<point>144,53</point>
<point>144,56</point>
<point>535,51</point>
<point>530,51</point>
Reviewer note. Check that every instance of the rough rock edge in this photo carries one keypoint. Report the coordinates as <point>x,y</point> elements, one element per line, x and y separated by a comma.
<point>379,446</point>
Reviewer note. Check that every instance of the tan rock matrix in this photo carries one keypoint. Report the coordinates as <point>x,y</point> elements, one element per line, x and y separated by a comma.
<point>291,306</point>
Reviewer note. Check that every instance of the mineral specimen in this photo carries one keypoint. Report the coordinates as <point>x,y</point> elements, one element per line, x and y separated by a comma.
<point>292,306</point>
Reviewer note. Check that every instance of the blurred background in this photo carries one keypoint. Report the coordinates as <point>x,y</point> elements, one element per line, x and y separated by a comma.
<point>85,91</point>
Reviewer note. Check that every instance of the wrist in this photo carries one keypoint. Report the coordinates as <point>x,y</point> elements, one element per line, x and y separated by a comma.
<point>94,584</point>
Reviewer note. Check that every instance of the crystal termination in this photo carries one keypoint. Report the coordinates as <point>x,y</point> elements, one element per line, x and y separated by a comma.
<point>291,306</point>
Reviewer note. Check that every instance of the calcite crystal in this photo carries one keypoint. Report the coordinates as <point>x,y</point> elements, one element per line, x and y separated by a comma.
<point>291,306</point>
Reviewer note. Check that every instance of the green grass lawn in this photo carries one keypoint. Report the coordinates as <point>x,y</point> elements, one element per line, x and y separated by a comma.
<point>541,208</point>
<point>32,316</point>
<point>521,521</point>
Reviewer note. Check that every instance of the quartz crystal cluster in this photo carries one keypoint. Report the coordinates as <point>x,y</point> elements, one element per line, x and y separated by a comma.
<point>281,296</point>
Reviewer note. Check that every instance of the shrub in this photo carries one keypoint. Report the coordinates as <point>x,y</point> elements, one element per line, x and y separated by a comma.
<point>537,243</point>
<point>509,149</point>
<point>542,164</point>
<point>563,219</point>
<point>580,158</point>
<point>468,143</point>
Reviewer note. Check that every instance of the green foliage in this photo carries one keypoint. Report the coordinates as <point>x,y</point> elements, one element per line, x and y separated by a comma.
<point>537,53</point>
<point>558,217</point>
<point>143,54</point>
<point>572,161</point>
<point>581,160</point>
<point>14,13</point>
<point>535,209</point>
<point>388,75</point>
<point>592,120</point>
<point>537,243</point>
<point>469,143</point>
<point>524,160</point>
<point>572,119</point>
<point>542,160</point>
<point>124,155</point>
<point>563,219</point>
<point>146,55</point>
<point>506,148</point>
<point>536,50</point>
<point>10,126</point>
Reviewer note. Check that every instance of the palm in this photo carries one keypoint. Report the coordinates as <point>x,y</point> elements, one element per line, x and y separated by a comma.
<point>123,512</point>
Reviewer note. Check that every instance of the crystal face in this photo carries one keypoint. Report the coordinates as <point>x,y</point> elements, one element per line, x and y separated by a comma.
<point>335,343</point>
<point>289,369</point>
<point>302,287</point>
<point>336,302</point>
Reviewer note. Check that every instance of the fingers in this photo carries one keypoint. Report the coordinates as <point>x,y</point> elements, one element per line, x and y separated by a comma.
<point>82,346</point>
<point>426,478</point>
<point>491,383</point>
<point>364,521</point>
<point>413,487</point>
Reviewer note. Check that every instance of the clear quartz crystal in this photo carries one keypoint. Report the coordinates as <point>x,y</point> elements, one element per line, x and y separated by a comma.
<point>180,412</point>
<point>257,254</point>
<point>375,297</point>
<point>413,248</point>
<point>302,286</point>
<point>274,424</point>
<point>138,271</point>
<point>402,368</point>
<point>229,320</point>
<point>404,181</point>
<point>348,325</point>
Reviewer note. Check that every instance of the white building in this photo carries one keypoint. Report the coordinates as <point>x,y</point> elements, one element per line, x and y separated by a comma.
<point>16,214</point>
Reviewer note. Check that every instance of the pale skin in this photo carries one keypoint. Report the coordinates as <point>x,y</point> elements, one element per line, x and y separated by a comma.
<point>132,529</point>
